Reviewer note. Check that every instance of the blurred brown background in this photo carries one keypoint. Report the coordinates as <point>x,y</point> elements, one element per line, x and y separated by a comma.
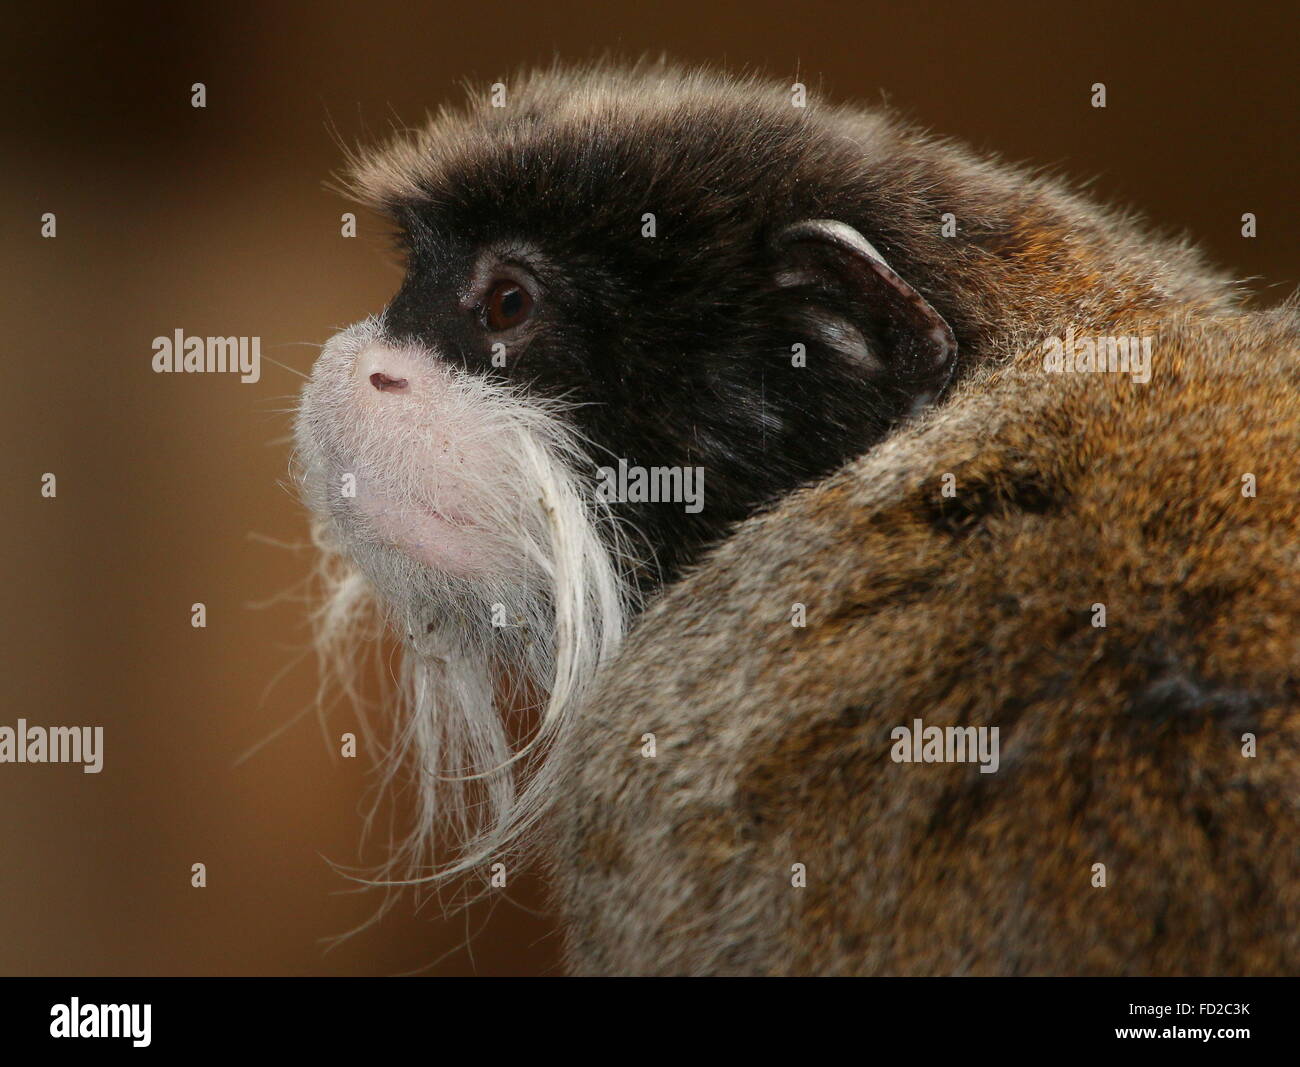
<point>171,487</point>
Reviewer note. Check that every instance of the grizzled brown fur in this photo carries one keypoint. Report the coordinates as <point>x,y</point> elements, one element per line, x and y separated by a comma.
<point>1119,745</point>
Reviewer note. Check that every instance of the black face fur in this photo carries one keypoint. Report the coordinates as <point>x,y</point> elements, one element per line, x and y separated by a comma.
<point>676,348</point>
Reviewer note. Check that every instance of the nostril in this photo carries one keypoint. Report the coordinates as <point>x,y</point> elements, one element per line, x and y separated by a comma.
<point>383,382</point>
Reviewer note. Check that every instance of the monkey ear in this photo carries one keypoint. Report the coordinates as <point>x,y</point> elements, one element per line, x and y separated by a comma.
<point>874,315</point>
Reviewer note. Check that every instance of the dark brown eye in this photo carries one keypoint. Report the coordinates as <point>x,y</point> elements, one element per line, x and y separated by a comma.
<point>508,304</point>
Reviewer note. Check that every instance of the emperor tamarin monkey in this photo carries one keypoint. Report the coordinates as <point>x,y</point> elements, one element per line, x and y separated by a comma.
<point>968,453</point>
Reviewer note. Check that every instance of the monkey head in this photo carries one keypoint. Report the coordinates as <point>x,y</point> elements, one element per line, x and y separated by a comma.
<point>645,270</point>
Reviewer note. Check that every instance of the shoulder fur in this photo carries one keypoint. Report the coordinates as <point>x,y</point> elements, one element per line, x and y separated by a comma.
<point>1120,745</point>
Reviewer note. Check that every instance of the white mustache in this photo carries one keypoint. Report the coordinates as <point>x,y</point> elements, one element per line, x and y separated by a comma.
<point>549,618</point>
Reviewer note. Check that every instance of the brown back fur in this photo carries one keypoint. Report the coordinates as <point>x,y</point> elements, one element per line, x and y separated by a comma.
<point>1120,745</point>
